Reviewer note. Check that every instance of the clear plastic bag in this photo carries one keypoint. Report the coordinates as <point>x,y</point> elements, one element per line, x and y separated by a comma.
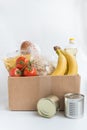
<point>10,59</point>
<point>32,52</point>
<point>42,64</point>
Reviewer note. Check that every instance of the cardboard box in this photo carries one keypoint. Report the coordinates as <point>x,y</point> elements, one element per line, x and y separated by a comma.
<point>24,92</point>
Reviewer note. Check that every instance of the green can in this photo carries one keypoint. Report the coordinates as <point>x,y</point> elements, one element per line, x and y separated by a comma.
<point>48,106</point>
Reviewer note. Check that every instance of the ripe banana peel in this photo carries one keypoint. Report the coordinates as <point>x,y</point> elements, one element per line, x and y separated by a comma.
<point>66,65</point>
<point>71,62</point>
<point>61,65</point>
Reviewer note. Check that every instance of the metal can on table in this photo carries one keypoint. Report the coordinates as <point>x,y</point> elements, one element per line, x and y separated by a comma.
<point>48,106</point>
<point>74,105</point>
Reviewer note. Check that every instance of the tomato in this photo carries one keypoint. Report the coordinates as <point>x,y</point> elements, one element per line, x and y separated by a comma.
<point>21,62</point>
<point>15,72</point>
<point>30,71</point>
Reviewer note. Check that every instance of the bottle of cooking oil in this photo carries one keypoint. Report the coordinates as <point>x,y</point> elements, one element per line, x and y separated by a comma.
<point>71,46</point>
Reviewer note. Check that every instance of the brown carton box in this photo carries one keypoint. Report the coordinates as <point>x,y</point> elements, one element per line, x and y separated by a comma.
<point>24,92</point>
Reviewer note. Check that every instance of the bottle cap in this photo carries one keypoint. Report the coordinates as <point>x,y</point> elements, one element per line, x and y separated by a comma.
<point>71,40</point>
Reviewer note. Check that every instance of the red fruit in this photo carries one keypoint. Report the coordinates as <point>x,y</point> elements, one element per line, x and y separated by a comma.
<point>21,62</point>
<point>30,71</point>
<point>15,72</point>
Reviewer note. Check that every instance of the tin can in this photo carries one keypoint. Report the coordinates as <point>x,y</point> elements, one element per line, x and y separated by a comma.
<point>48,106</point>
<point>55,100</point>
<point>74,105</point>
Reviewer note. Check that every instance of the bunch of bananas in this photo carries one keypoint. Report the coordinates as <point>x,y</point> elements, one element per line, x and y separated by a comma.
<point>66,65</point>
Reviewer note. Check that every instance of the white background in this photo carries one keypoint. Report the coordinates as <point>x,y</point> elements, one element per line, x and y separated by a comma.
<point>46,23</point>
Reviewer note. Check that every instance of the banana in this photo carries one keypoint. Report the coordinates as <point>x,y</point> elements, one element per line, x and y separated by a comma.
<point>61,64</point>
<point>71,62</point>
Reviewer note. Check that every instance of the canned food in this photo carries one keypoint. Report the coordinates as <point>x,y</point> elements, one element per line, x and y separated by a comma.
<point>74,105</point>
<point>48,106</point>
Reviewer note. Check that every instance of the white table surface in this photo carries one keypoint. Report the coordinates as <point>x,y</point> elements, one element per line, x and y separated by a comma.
<point>25,120</point>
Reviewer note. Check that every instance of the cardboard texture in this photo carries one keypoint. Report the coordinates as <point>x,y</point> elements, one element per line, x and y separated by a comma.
<point>24,92</point>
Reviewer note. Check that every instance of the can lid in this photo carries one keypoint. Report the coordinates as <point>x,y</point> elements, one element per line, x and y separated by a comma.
<point>46,108</point>
<point>74,96</point>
